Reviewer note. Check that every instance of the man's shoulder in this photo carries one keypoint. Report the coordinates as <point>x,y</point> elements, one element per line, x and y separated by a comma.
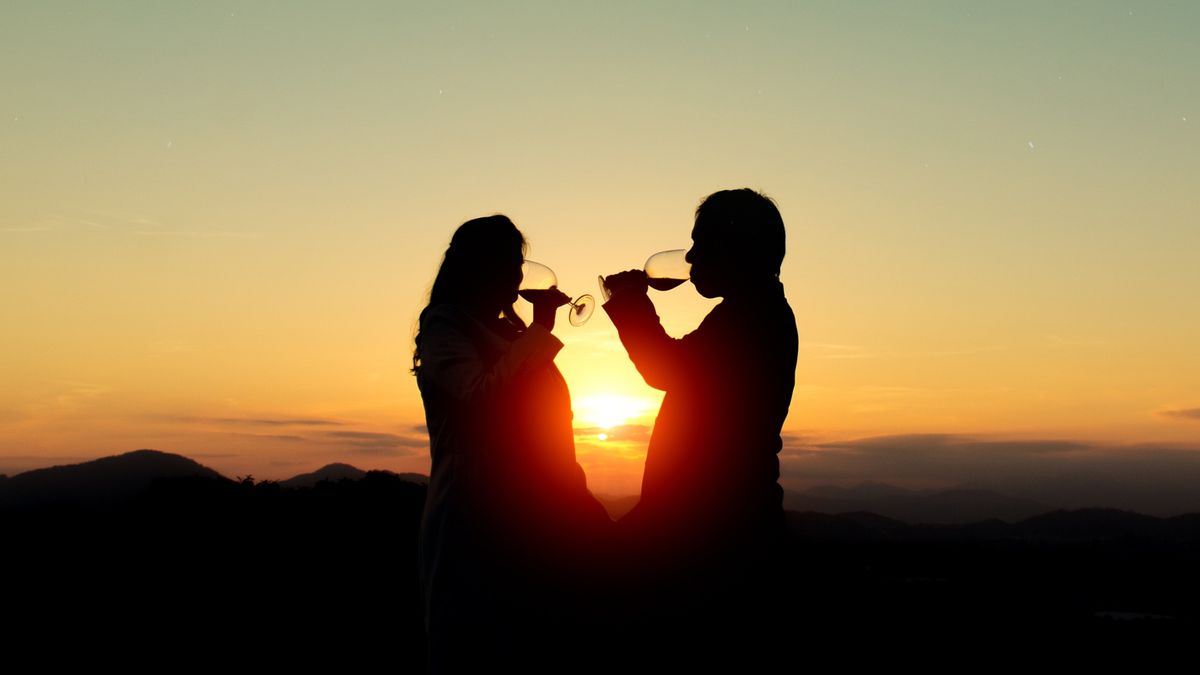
<point>780,310</point>
<point>770,309</point>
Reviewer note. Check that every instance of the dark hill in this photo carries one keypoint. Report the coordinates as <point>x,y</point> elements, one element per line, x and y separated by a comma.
<point>846,527</point>
<point>101,481</point>
<point>945,507</point>
<point>418,478</point>
<point>1057,527</point>
<point>331,472</point>
<point>864,490</point>
<point>1099,524</point>
<point>617,507</point>
<point>339,471</point>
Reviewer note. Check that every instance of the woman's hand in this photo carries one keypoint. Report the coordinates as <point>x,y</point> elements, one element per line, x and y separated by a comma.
<point>546,304</point>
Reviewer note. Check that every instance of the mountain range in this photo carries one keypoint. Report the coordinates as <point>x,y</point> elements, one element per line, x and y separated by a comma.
<point>867,511</point>
<point>943,507</point>
<point>107,479</point>
<point>119,478</point>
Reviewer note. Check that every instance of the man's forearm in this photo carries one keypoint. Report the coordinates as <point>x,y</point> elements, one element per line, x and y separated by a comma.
<point>653,352</point>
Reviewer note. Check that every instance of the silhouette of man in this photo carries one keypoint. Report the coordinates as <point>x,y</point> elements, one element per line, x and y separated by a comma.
<point>706,533</point>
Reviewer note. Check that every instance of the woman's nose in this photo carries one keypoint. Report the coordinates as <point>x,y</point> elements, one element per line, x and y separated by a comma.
<point>687,257</point>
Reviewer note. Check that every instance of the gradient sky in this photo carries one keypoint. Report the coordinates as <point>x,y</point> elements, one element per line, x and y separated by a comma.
<point>219,220</point>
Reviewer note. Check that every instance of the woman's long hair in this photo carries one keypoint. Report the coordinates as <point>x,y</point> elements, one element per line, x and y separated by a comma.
<point>479,261</point>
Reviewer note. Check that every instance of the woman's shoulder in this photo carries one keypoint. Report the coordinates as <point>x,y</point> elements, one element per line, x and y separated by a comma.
<point>449,315</point>
<point>442,311</point>
<point>447,318</point>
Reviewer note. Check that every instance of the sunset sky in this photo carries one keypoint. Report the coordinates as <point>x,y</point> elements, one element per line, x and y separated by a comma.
<point>219,220</point>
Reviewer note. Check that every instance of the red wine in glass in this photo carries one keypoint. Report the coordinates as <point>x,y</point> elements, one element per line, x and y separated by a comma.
<point>667,269</point>
<point>537,280</point>
<point>663,284</point>
<point>664,270</point>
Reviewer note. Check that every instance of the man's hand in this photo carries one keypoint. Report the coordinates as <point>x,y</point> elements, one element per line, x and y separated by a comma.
<point>626,283</point>
<point>546,304</point>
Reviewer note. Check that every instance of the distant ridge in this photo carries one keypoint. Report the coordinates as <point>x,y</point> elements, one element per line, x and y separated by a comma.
<point>1090,524</point>
<point>1081,525</point>
<point>331,472</point>
<point>418,478</point>
<point>864,490</point>
<point>120,478</point>
<point>105,480</point>
<point>941,507</point>
<point>339,471</point>
<point>617,507</point>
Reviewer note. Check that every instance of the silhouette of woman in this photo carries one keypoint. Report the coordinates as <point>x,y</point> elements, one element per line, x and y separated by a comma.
<point>509,525</point>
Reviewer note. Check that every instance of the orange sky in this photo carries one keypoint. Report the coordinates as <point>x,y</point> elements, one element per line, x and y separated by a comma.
<point>217,223</point>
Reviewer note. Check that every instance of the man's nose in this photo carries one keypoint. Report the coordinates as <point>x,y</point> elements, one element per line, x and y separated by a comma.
<point>687,257</point>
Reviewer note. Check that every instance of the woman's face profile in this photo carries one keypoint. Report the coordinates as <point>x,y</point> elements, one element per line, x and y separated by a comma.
<point>488,267</point>
<point>507,280</point>
<point>514,275</point>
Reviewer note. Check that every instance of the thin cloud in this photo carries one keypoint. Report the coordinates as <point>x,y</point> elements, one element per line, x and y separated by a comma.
<point>115,222</point>
<point>91,222</point>
<point>44,458</point>
<point>9,415</point>
<point>1158,479</point>
<point>258,421</point>
<point>623,432</point>
<point>955,443</point>
<point>134,224</point>
<point>903,442</point>
<point>374,443</point>
<point>273,437</point>
<point>965,351</point>
<point>1185,414</point>
<point>198,234</point>
<point>376,451</point>
<point>834,351</point>
<point>375,437</point>
<point>1060,341</point>
<point>12,465</point>
<point>168,347</point>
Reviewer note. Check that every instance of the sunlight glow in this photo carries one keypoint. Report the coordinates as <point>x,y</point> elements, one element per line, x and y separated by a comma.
<point>609,410</point>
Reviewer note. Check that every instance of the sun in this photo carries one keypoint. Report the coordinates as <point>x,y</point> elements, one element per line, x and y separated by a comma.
<point>609,410</point>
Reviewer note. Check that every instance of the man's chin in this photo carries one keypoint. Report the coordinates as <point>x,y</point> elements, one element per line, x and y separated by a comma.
<point>706,290</point>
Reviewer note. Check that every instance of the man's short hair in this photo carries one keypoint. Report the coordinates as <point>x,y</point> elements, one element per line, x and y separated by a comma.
<point>752,222</point>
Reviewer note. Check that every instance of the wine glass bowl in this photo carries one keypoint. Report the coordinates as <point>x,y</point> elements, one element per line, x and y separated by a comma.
<point>667,269</point>
<point>538,280</point>
<point>536,277</point>
<point>664,270</point>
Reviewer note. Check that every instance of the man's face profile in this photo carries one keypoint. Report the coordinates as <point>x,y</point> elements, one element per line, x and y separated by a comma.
<point>710,260</point>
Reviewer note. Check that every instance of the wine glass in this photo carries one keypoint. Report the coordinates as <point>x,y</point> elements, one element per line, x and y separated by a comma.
<point>667,269</point>
<point>537,279</point>
<point>664,270</point>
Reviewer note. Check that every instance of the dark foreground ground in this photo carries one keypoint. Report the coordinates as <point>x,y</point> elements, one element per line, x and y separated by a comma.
<point>259,577</point>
